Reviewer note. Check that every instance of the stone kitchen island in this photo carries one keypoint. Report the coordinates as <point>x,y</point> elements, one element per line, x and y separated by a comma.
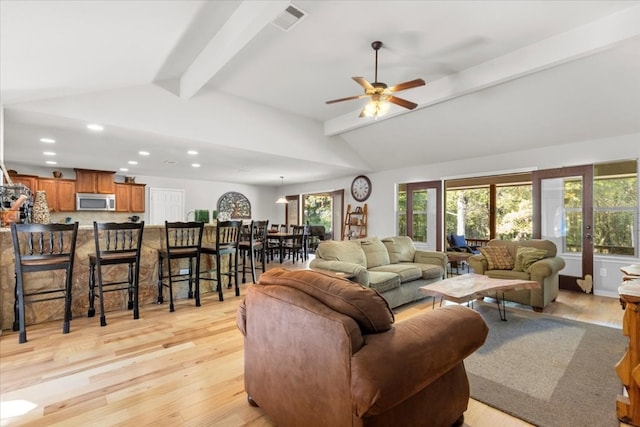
<point>153,239</point>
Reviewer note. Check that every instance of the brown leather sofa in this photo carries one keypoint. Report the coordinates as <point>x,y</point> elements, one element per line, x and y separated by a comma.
<point>323,351</point>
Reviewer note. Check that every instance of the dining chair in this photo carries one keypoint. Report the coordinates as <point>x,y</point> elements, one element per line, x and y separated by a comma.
<point>183,240</point>
<point>116,243</point>
<point>226,245</point>
<point>42,247</point>
<point>275,228</point>
<point>254,244</point>
<point>296,245</point>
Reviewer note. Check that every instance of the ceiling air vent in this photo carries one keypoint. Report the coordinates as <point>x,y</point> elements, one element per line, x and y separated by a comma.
<point>288,18</point>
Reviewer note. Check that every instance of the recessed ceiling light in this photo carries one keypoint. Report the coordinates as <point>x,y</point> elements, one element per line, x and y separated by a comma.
<point>48,153</point>
<point>51,162</point>
<point>124,170</point>
<point>132,162</point>
<point>143,153</point>
<point>192,152</point>
<point>47,140</point>
<point>95,127</point>
<point>195,165</point>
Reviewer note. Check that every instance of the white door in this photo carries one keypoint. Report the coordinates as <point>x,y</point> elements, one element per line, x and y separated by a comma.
<point>167,204</point>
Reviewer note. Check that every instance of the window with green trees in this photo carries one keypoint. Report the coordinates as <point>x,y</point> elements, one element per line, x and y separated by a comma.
<point>316,209</point>
<point>401,212</point>
<point>615,208</point>
<point>490,207</point>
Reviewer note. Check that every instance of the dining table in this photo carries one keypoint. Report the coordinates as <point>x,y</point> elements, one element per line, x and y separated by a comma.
<point>280,236</point>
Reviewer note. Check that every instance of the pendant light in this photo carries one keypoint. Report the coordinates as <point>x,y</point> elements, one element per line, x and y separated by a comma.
<point>282,199</point>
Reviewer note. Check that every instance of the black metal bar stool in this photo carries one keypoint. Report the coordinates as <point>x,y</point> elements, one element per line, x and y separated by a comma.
<point>42,247</point>
<point>227,244</point>
<point>254,243</point>
<point>183,241</point>
<point>116,243</point>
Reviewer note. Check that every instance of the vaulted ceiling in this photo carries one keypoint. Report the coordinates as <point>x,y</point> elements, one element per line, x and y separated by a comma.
<point>219,78</point>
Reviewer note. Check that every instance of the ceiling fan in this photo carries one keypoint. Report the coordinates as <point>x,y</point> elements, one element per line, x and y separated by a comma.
<point>381,95</point>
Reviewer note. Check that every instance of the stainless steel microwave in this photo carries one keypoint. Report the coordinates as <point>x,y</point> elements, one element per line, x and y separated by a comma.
<point>95,202</point>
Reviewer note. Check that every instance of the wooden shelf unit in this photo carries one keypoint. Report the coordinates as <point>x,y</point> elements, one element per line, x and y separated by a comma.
<point>355,223</point>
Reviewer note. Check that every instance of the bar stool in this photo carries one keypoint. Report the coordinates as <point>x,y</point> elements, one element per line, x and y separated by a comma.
<point>254,244</point>
<point>227,243</point>
<point>116,243</point>
<point>183,241</point>
<point>42,247</point>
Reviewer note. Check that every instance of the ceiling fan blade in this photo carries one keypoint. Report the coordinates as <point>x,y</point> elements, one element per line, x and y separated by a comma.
<point>363,82</point>
<point>348,98</point>
<point>407,85</point>
<point>402,102</point>
<point>362,114</point>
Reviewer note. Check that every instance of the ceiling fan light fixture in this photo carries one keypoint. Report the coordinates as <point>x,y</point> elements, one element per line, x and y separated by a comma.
<point>376,108</point>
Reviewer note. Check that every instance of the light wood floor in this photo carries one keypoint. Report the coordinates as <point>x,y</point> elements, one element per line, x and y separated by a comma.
<point>180,369</point>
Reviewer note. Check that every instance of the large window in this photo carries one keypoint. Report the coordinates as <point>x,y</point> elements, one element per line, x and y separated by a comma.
<point>513,212</point>
<point>316,210</point>
<point>492,207</point>
<point>418,212</point>
<point>615,208</point>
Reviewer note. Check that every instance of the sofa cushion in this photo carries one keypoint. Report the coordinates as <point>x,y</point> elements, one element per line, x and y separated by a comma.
<point>525,256</point>
<point>406,272</point>
<point>508,274</point>
<point>498,257</point>
<point>345,251</point>
<point>400,249</point>
<point>383,281</point>
<point>375,251</point>
<point>364,305</point>
<point>430,271</point>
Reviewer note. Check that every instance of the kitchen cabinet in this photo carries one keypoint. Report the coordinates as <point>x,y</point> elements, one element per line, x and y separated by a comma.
<point>92,181</point>
<point>130,197</point>
<point>29,181</point>
<point>61,193</point>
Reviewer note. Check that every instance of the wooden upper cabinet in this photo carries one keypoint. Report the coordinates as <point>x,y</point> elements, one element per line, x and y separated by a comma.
<point>137,198</point>
<point>29,181</point>
<point>91,181</point>
<point>61,193</point>
<point>130,197</point>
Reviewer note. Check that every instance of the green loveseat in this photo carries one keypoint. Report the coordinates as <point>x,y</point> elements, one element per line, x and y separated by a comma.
<point>392,266</point>
<point>540,264</point>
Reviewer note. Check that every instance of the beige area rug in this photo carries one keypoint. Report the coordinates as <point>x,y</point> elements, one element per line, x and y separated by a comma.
<point>546,370</point>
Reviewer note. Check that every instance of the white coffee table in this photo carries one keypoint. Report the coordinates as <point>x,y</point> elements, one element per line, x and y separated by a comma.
<point>468,287</point>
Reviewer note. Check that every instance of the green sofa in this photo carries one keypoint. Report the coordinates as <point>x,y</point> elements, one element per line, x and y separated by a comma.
<point>544,270</point>
<point>392,266</point>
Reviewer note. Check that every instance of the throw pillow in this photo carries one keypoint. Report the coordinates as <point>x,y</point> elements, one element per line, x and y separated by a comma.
<point>366,306</point>
<point>498,257</point>
<point>375,251</point>
<point>525,256</point>
<point>400,248</point>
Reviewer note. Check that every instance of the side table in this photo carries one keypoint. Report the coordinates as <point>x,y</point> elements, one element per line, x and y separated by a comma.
<point>457,260</point>
<point>628,369</point>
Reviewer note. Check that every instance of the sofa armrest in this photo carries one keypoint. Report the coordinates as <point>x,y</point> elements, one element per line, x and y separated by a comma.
<point>546,267</point>
<point>478,263</point>
<point>361,275</point>
<point>422,348</point>
<point>430,257</point>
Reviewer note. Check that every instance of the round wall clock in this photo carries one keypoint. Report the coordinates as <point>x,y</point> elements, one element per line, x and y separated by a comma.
<point>361,188</point>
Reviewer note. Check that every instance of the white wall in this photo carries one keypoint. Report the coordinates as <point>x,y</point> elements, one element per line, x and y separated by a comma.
<point>382,200</point>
